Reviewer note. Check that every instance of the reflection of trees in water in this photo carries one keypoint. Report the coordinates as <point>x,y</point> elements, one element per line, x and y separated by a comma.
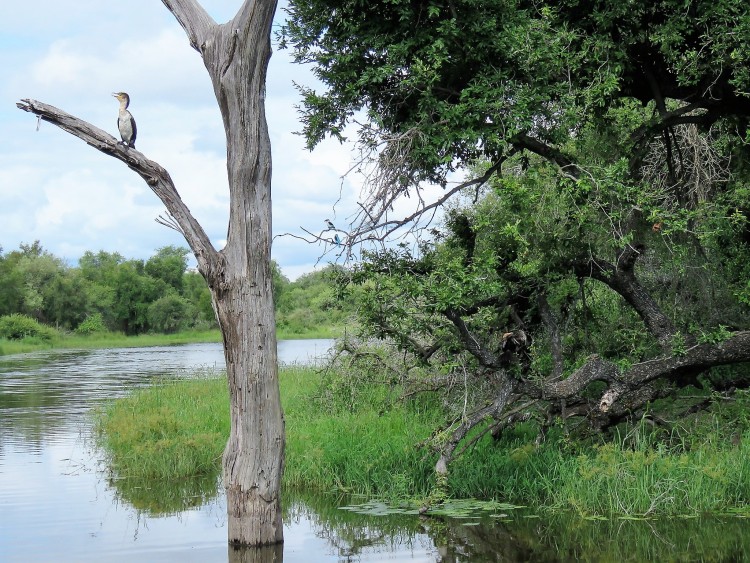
<point>166,497</point>
<point>556,537</point>
<point>567,537</point>
<point>351,534</point>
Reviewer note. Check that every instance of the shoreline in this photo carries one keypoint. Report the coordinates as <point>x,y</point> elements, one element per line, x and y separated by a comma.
<point>118,340</point>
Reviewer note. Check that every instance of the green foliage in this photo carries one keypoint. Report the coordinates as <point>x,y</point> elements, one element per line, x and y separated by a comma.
<point>473,78</point>
<point>92,324</point>
<point>312,302</point>
<point>195,290</point>
<point>169,265</point>
<point>178,428</point>
<point>16,327</point>
<point>169,314</point>
<point>158,295</point>
<point>611,131</point>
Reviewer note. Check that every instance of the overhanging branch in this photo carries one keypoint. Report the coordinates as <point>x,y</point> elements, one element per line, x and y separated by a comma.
<point>389,227</point>
<point>548,152</point>
<point>157,178</point>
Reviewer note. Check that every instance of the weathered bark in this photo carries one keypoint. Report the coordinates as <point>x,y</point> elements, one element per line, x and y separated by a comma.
<point>236,56</point>
<point>157,178</point>
<point>627,390</point>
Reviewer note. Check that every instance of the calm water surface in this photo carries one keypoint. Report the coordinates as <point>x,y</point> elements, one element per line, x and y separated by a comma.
<point>56,503</point>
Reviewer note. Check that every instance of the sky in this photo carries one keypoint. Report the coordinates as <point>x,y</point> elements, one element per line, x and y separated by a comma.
<point>54,188</point>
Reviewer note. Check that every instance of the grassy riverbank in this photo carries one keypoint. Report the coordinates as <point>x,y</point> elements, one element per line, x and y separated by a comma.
<point>178,429</point>
<point>120,340</point>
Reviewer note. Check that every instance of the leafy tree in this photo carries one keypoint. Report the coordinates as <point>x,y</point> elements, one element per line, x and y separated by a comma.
<point>11,288</point>
<point>134,292</point>
<point>100,267</point>
<point>450,83</point>
<point>280,282</point>
<point>37,269</point>
<point>169,265</point>
<point>312,301</point>
<point>195,290</point>
<point>66,299</point>
<point>168,314</point>
<point>598,261</point>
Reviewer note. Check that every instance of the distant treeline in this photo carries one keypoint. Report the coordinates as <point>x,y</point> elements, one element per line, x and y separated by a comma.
<point>106,291</point>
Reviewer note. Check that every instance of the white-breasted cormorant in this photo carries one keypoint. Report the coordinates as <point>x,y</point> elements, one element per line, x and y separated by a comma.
<point>125,121</point>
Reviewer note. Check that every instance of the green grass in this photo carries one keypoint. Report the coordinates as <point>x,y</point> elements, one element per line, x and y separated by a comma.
<point>168,431</point>
<point>178,429</point>
<point>610,478</point>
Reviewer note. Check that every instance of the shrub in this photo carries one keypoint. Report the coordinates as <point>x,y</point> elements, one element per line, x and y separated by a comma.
<point>16,327</point>
<point>169,314</point>
<point>91,324</point>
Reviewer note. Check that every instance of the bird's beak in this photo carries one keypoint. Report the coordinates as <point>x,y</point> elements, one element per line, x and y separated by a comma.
<point>114,94</point>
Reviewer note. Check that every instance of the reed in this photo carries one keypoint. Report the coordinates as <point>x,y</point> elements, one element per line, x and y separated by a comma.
<point>176,429</point>
<point>170,430</point>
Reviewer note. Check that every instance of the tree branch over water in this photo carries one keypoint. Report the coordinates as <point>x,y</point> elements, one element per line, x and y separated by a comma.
<point>155,175</point>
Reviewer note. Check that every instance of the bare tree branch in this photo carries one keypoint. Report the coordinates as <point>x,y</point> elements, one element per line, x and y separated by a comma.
<point>369,224</point>
<point>157,178</point>
<point>168,221</point>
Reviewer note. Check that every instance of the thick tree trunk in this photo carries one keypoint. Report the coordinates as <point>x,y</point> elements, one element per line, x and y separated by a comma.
<point>254,456</point>
<point>236,56</point>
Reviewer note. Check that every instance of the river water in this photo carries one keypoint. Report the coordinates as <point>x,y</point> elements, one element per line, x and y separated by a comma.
<point>56,503</point>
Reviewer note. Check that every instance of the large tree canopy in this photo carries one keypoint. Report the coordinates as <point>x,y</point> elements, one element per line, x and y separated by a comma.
<point>466,80</point>
<point>601,262</point>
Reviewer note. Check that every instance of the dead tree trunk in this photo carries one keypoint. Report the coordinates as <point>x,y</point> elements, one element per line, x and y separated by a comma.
<point>236,55</point>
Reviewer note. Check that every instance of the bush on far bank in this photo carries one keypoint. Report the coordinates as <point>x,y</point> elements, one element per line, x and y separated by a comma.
<point>17,327</point>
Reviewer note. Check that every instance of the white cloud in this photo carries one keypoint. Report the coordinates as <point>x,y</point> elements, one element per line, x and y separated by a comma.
<point>58,190</point>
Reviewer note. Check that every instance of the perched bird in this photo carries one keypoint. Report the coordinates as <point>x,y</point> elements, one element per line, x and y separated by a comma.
<point>330,225</point>
<point>337,239</point>
<point>125,121</point>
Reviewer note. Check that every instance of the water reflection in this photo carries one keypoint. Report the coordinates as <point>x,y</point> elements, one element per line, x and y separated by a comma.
<point>57,504</point>
<point>157,498</point>
<point>265,554</point>
<point>523,536</point>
